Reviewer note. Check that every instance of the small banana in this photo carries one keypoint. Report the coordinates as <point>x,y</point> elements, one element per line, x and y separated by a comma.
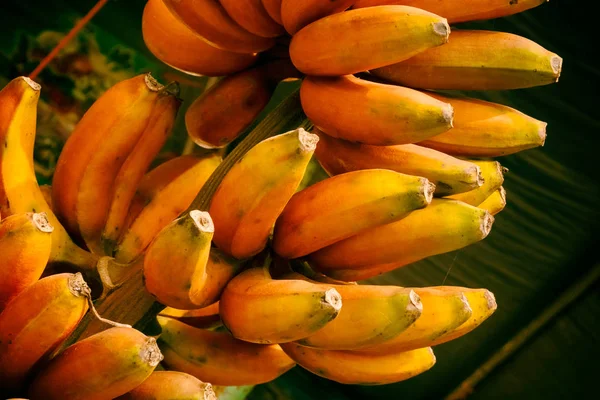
<point>169,385</point>
<point>344,205</point>
<point>495,201</point>
<point>253,17</point>
<point>296,14</point>
<point>204,318</point>
<point>493,175</point>
<point>494,61</point>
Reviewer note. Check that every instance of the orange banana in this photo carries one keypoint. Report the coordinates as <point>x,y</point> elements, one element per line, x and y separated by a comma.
<point>209,19</point>
<point>253,17</point>
<point>36,322</point>
<point>103,366</point>
<point>443,226</point>
<point>345,205</point>
<point>204,318</point>
<point>273,8</point>
<point>245,214</point>
<point>296,14</point>
<point>450,175</point>
<point>477,60</point>
<point>169,385</point>
<point>357,368</point>
<point>25,246</point>
<point>172,42</point>
<point>218,357</point>
<point>484,129</point>
<point>493,176</point>
<point>495,201</point>
<point>359,40</point>
<point>373,113</point>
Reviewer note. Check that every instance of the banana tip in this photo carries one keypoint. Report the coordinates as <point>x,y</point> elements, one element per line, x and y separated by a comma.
<point>203,221</point>
<point>415,304</point>
<point>486,223</point>
<point>556,64</point>
<point>308,141</point>
<point>209,392</point>
<point>333,299</point>
<point>502,195</point>
<point>150,353</point>
<point>78,286</point>
<point>152,84</point>
<point>491,300</point>
<point>480,178</point>
<point>33,84</point>
<point>442,29</point>
<point>542,133</point>
<point>40,220</point>
<point>448,115</point>
<point>428,191</point>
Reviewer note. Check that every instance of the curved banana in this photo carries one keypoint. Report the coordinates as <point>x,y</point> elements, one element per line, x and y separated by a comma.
<point>356,368</point>
<point>461,10</point>
<point>173,43</point>
<point>253,17</point>
<point>25,246</point>
<point>484,129</point>
<point>296,14</point>
<point>274,168</point>
<point>450,175</point>
<point>319,215</point>
<point>255,308</point>
<point>36,322</point>
<point>273,8</point>
<point>163,194</point>
<point>493,175</point>
<point>494,61</point>
<point>400,243</point>
<point>359,40</point>
<point>495,201</point>
<point>103,366</point>
<point>219,358</point>
<point>177,278</point>
<point>220,269</point>
<point>203,318</point>
<point>373,113</point>
<point>169,385</point>
<point>209,19</point>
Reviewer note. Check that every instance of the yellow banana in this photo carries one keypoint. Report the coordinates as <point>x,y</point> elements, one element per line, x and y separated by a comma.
<point>357,368</point>
<point>170,385</point>
<point>296,14</point>
<point>255,308</point>
<point>219,358</point>
<point>344,205</point>
<point>443,226</point>
<point>450,175</point>
<point>493,175</point>
<point>495,201</point>
<point>273,169</point>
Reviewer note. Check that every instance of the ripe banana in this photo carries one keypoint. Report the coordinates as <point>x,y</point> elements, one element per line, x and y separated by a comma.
<point>103,366</point>
<point>296,14</point>
<point>356,368</point>
<point>253,17</point>
<point>220,269</point>
<point>255,308</point>
<point>373,113</point>
<point>484,129</point>
<point>495,201</point>
<point>443,312</point>
<point>320,215</point>
<point>371,315</point>
<point>177,278</point>
<point>461,10</point>
<point>36,322</point>
<point>25,246</point>
<point>164,193</point>
<point>273,8</point>
<point>477,60</point>
<point>208,19</point>
<point>400,243</point>
<point>493,175</point>
<point>204,318</point>
<point>245,215</point>
<point>219,358</point>
<point>169,385</point>
<point>20,191</point>
<point>450,175</point>
<point>173,43</point>
<point>359,40</point>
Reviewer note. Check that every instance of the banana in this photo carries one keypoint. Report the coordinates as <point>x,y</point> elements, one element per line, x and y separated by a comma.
<point>495,201</point>
<point>209,20</point>
<point>356,368</point>
<point>371,315</point>
<point>359,40</point>
<point>443,226</point>
<point>220,269</point>
<point>25,246</point>
<point>176,279</point>
<point>255,308</point>
<point>273,8</point>
<point>20,190</point>
<point>47,193</point>
<point>345,205</point>
<point>163,194</point>
<point>493,175</point>
<point>484,129</point>
<point>136,164</point>
<point>461,10</point>
<point>450,175</point>
<point>219,358</point>
<point>245,215</point>
<point>173,43</point>
<point>253,17</point>
<point>373,113</point>
<point>296,14</point>
<point>169,385</point>
<point>204,318</point>
<point>443,312</point>
<point>36,322</point>
<point>477,60</point>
